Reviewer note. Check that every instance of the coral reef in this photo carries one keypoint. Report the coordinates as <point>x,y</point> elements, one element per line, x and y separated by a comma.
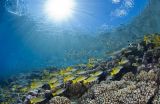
<point>122,92</point>
<point>131,76</point>
<point>59,100</point>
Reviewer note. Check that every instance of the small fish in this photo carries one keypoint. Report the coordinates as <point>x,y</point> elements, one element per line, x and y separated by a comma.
<point>90,65</point>
<point>55,85</point>
<point>90,79</point>
<point>54,74</point>
<point>135,64</point>
<point>123,61</point>
<point>36,100</point>
<point>68,78</point>
<point>146,39</point>
<point>113,53</point>
<point>91,60</point>
<point>79,79</point>
<point>53,80</point>
<point>58,92</point>
<point>67,73</point>
<point>97,73</point>
<point>116,70</point>
<point>14,87</point>
<point>62,72</point>
<point>127,51</point>
<point>81,65</point>
<point>80,72</point>
<point>24,89</point>
<point>73,70</point>
<point>69,69</point>
<point>35,85</point>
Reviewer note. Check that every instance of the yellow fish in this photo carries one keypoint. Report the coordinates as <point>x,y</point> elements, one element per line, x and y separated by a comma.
<point>135,64</point>
<point>79,79</point>
<point>67,73</point>
<point>62,72</point>
<point>36,100</point>
<point>116,70</point>
<point>53,80</point>
<point>156,40</point>
<point>35,85</point>
<point>90,79</point>
<point>146,39</point>
<point>54,74</point>
<point>90,65</point>
<point>123,61</point>
<point>81,65</point>
<point>97,73</point>
<point>68,78</point>
<point>69,68</point>
<point>80,72</point>
<point>55,85</point>
<point>58,92</point>
<point>24,89</point>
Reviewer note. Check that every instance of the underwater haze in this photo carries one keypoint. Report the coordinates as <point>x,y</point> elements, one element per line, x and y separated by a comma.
<point>31,40</point>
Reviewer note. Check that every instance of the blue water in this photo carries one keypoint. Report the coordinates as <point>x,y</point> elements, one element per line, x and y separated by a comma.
<point>29,41</point>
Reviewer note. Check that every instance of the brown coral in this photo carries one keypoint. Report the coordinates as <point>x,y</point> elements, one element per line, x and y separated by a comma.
<point>144,76</point>
<point>128,77</point>
<point>60,100</point>
<point>123,92</point>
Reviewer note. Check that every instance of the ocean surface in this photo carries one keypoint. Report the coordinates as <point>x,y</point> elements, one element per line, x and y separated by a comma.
<point>30,41</point>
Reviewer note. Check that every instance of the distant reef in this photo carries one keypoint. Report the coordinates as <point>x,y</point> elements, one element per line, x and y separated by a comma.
<point>146,22</point>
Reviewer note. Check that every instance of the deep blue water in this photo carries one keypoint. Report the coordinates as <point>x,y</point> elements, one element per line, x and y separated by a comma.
<point>29,41</point>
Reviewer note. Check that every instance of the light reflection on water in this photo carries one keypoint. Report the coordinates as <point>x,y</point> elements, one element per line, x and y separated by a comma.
<point>32,42</point>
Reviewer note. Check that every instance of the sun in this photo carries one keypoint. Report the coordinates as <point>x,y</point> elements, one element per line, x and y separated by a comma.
<point>59,9</point>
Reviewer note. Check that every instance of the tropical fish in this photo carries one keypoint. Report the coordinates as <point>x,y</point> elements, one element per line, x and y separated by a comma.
<point>62,72</point>
<point>54,74</point>
<point>90,79</point>
<point>58,92</point>
<point>135,64</point>
<point>55,85</point>
<point>15,87</point>
<point>123,61</point>
<point>69,68</point>
<point>156,40</point>
<point>67,73</point>
<point>68,78</point>
<point>35,85</point>
<point>36,100</point>
<point>24,89</point>
<point>97,73</point>
<point>90,65</point>
<point>116,70</point>
<point>80,72</point>
<point>146,39</point>
<point>113,53</point>
<point>79,79</point>
<point>53,80</point>
<point>91,60</point>
<point>81,65</point>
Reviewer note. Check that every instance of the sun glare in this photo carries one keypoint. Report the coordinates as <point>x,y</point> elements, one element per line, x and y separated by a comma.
<point>59,9</point>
